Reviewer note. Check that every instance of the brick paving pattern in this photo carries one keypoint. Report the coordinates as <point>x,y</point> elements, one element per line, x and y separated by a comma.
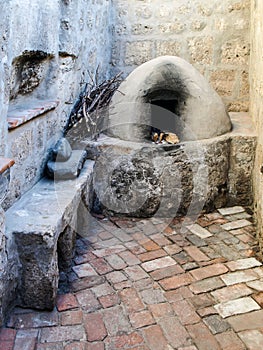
<point>140,284</point>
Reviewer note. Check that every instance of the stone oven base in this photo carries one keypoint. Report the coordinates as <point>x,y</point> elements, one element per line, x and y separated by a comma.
<point>144,179</point>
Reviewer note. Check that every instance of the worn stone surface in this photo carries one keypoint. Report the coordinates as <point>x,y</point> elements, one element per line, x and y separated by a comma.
<point>62,151</point>
<point>142,179</point>
<point>68,169</point>
<point>43,224</point>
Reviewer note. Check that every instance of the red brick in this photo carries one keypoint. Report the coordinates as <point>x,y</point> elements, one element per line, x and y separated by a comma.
<point>84,270</point>
<point>125,341</point>
<point>50,346</point>
<point>75,346</point>
<point>202,337</point>
<point>104,235</point>
<point>231,292</point>
<point>150,245</point>
<point>200,301</point>
<point>116,321</point>
<point>168,230</point>
<point>135,248</point>
<point>155,338</point>
<point>71,317</point>
<point>131,300</point>
<point>207,311</point>
<point>88,301</point>
<point>144,284</point>
<point>259,298</point>
<point>209,271</point>
<point>94,326</point>
<point>166,272</point>
<point>152,255</point>
<point>129,258</point>
<point>173,249</point>
<point>178,294</point>
<point>185,312</point>
<point>116,277</point>
<point>213,261</point>
<point>25,344</point>
<point>66,302</point>
<point>160,239</point>
<point>161,310</point>
<point>7,334</point>
<point>230,341</point>
<point>179,240</point>
<point>87,257</point>
<point>176,281</point>
<point>204,222</point>
<point>123,285</point>
<point>101,253</point>
<point>102,290</point>
<point>206,285</point>
<point>174,332</point>
<point>157,264</point>
<point>62,334</point>
<point>109,300</point>
<point>246,238</point>
<point>116,262</point>
<point>95,346</point>
<point>196,253</point>
<point>6,345</point>
<point>101,266</point>
<point>139,236</point>
<point>86,282</point>
<point>141,319</point>
<point>135,273</point>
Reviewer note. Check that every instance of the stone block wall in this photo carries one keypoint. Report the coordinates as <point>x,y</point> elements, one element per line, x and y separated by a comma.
<point>49,49</point>
<point>256,106</point>
<point>212,35</point>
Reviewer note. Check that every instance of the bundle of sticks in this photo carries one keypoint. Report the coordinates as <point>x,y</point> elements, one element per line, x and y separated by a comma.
<point>86,116</point>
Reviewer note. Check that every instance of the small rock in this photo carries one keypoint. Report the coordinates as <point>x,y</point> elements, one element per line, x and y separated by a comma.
<point>69,169</point>
<point>62,151</point>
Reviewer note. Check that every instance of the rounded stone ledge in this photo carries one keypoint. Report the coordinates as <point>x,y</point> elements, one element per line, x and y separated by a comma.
<point>5,164</point>
<point>199,111</point>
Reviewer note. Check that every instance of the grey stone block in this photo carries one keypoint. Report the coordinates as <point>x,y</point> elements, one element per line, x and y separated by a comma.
<point>43,223</point>
<point>62,151</point>
<point>68,169</point>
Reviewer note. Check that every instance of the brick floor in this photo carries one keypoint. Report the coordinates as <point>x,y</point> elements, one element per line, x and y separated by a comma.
<point>141,285</point>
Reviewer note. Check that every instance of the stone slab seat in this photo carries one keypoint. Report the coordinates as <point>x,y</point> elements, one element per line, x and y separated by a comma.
<point>43,226</point>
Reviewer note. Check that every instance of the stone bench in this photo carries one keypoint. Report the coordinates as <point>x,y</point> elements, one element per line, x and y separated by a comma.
<point>43,225</point>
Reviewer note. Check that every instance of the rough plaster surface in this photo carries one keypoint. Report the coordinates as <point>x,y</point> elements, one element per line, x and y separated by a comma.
<point>199,112</point>
<point>48,49</point>
<point>256,80</point>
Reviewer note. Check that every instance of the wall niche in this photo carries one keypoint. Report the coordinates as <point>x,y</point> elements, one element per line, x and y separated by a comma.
<point>32,87</point>
<point>31,74</point>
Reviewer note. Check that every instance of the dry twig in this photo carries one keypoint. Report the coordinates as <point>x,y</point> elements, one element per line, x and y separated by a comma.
<point>86,116</point>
